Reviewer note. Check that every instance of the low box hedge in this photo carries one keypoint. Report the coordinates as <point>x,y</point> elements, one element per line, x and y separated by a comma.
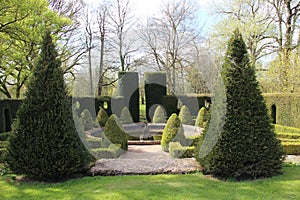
<point>291,148</point>
<point>114,151</point>
<point>94,143</point>
<point>178,151</point>
<point>3,144</point>
<point>288,136</point>
<point>286,129</point>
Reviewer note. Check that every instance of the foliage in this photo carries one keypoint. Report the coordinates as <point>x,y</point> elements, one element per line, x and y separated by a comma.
<point>125,116</point>
<point>287,108</point>
<point>45,121</point>
<point>202,117</point>
<point>185,115</point>
<point>170,131</point>
<point>113,151</point>
<point>22,25</point>
<point>87,119</point>
<point>247,147</point>
<point>159,115</point>
<point>102,117</point>
<point>114,132</point>
<point>178,151</point>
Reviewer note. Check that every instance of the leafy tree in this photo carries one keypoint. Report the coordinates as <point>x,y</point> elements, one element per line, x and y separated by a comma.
<point>247,147</point>
<point>45,144</point>
<point>22,23</point>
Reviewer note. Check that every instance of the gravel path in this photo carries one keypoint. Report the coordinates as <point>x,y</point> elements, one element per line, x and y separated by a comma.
<point>145,159</point>
<point>150,159</point>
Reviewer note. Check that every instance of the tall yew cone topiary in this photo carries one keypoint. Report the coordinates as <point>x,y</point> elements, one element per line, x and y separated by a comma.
<point>45,144</point>
<point>247,147</point>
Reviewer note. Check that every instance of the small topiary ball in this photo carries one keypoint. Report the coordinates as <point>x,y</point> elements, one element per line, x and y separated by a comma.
<point>202,118</point>
<point>114,132</point>
<point>159,115</point>
<point>125,117</point>
<point>86,119</point>
<point>102,117</point>
<point>170,131</point>
<point>185,115</point>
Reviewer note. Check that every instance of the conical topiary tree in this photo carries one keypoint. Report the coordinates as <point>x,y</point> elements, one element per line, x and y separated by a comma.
<point>170,131</point>
<point>45,144</point>
<point>159,115</point>
<point>87,119</point>
<point>114,132</point>
<point>185,115</point>
<point>247,147</point>
<point>102,117</point>
<point>202,118</point>
<point>125,116</point>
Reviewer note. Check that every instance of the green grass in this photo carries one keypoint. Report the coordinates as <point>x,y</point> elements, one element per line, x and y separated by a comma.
<point>192,186</point>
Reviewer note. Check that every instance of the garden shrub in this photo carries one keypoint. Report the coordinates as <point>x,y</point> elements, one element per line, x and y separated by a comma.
<point>180,137</point>
<point>87,120</point>
<point>94,143</point>
<point>113,151</point>
<point>178,151</point>
<point>185,115</point>
<point>291,148</point>
<point>286,129</point>
<point>288,136</point>
<point>114,132</point>
<point>202,118</point>
<point>170,131</point>
<point>159,115</point>
<point>102,117</point>
<point>44,144</point>
<point>125,116</point>
<point>247,147</point>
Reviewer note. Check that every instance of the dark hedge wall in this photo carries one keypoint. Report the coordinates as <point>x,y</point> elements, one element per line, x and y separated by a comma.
<point>8,110</point>
<point>155,90</point>
<point>128,89</point>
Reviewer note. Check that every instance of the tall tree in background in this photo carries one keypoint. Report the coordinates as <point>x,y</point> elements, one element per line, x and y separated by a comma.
<point>247,147</point>
<point>45,144</point>
<point>170,39</point>
<point>122,23</point>
<point>22,24</point>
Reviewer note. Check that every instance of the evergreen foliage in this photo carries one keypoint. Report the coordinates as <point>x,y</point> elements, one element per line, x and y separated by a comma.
<point>114,132</point>
<point>102,117</point>
<point>125,116</point>
<point>247,147</point>
<point>159,115</point>
<point>45,144</point>
<point>170,131</point>
<point>202,118</point>
<point>87,119</point>
<point>185,115</point>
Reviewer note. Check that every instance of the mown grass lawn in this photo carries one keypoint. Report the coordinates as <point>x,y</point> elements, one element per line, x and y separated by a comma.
<point>191,186</point>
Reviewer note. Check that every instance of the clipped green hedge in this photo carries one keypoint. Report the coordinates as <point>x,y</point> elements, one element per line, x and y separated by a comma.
<point>287,108</point>
<point>94,143</point>
<point>113,151</point>
<point>178,151</point>
<point>288,136</point>
<point>286,129</point>
<point>86,119</point>
<point>185,115</point>
<point>170,131</point>
<point>102,117</point>
<point>291,148</point>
